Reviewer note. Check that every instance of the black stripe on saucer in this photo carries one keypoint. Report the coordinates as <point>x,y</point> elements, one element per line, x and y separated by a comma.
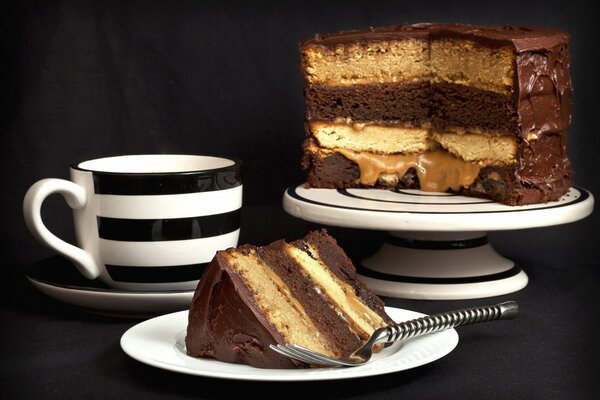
<point>157,184</point>
<point>154,230</point>
<point>166,274</point>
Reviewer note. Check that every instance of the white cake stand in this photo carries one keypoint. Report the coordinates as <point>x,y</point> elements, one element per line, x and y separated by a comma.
<point>437,246</point>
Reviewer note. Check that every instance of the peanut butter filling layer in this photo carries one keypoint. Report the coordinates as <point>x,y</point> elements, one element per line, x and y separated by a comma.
<point>274,299</point>
<point>455,61</point>
<point>361,319</point>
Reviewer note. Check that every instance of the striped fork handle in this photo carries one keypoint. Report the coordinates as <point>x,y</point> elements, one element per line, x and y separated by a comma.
<point>447,320</point>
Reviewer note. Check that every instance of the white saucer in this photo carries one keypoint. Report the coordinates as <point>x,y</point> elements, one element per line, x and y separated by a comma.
<point>57,278</point>
<point>159,342</point>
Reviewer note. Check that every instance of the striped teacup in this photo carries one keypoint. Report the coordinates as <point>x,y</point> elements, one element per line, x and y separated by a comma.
<point>144,222</point>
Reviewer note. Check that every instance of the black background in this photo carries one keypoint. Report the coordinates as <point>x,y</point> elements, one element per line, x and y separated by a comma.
<point>93,79</point>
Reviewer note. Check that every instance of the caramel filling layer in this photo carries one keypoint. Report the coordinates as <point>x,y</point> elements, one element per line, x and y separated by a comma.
<point>437,170</point>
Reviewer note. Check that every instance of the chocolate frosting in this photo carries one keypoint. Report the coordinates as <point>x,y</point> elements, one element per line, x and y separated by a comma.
<point>224,322</point>
<point>541,93</point>
<point>522,38</point>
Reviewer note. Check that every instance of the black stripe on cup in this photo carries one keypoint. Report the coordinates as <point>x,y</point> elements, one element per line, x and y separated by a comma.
<point>163,274</point>
<point>157,184</point>
<point>154,230</point>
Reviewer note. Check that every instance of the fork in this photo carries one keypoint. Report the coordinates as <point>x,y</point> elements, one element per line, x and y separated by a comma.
<point>402,331</point>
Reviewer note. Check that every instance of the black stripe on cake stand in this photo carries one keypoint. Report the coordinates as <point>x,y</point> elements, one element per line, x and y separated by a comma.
<point>515,270</point>
<point>345,192</point>
<point>583,195</point>
<point>162,274</point>
<point>152,230</point>
<point>436,244</point>
<point>440,265</point>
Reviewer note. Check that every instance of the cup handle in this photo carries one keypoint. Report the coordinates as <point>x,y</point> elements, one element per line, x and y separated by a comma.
<point>76,198</point>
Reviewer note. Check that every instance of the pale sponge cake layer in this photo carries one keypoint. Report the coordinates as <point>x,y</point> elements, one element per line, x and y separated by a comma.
<point>274,299</point>
<point>460,62</point>
<point>464,62</point>
<point>373,138</point>
<point>480,148</point>
<point>485,149</point>
<point>375,62</point>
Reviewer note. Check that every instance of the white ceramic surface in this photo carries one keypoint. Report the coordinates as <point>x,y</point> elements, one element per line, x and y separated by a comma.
<point>144,222</point>
<point>56,278</point>
<point>415,210</point>
<point>119,304</point>
<point>159,342</point>
<point>428,270</point>
<point>430,274</point>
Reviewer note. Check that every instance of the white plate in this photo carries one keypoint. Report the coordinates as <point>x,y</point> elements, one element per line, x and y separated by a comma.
<point>57,278</point>
<point>159,342</point>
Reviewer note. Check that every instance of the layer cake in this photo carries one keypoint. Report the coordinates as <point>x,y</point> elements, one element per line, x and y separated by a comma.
<point>478,110</point>
<point>304,292</point>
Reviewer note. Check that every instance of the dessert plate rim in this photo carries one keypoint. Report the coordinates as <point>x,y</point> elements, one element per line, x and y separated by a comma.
<point>159,342</point>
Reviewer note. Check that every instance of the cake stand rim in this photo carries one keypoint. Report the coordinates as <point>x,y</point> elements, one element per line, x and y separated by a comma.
<point>378,219</point>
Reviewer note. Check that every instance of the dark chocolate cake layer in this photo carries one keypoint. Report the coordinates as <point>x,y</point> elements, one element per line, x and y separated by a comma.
<point>444,106</point>
<point>406,102</point>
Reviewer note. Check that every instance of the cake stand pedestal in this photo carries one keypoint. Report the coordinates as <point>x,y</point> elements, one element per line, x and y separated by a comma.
<point>437,246</point>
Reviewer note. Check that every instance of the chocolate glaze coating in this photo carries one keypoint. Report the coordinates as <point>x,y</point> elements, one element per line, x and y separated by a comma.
<point>537,112</point>
<point>522,38</point>
<point>224,322</point>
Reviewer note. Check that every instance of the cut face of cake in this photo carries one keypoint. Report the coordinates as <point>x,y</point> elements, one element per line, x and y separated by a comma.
<point>304,292</point>
<point>478,110</point>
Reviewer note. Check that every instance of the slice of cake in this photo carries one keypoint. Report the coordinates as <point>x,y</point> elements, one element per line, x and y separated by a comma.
<point>473,109</point>
<point>305,292</point>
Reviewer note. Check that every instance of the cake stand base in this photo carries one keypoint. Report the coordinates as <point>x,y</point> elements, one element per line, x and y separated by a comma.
<point>440,266</point>
<point>436,247</point>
